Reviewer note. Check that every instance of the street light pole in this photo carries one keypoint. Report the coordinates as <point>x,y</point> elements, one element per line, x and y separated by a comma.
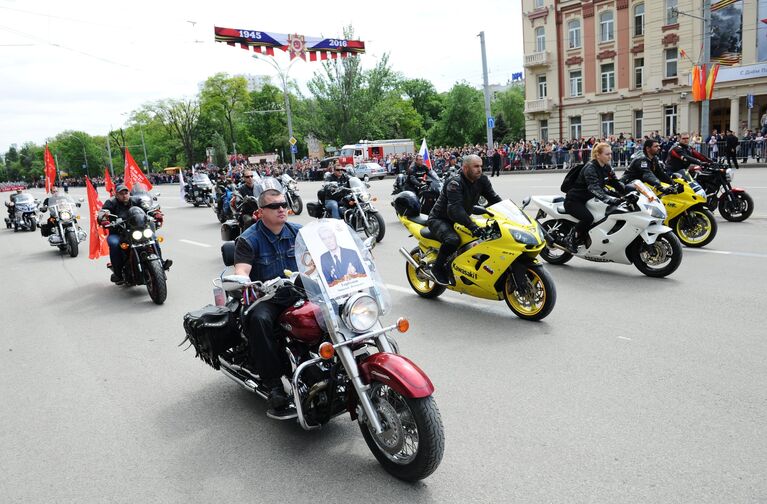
<point>143,144</point>
<point>487,92</point>
<point>284,78</point>
<point>706,57</point>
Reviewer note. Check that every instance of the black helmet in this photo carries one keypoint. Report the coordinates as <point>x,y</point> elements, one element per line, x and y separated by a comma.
<point>406,203</point>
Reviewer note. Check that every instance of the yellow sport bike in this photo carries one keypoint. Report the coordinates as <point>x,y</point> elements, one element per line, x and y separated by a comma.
<point>501,264</point>
<point>686,212</point>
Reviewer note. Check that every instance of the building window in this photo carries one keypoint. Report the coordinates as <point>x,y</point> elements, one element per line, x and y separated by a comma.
<point>638,73</point>
<point>639,20</point>
<point>669,122</point>
<point>574,34</point>
<point>538,4</point>
<point>671,15</point>
<point>638,124</point>
<point>544,130</point>
<point>540,39</point>
<point>608,125</point>
<point>542,86</point>
<point>608,77</point>
<point>576,83</point>
<point>606,27</point>
<point>671,57</point>
<point>575,128</point>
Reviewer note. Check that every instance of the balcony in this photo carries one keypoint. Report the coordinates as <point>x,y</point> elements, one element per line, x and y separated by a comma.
<point>537,59</point>
<point>537,106</point>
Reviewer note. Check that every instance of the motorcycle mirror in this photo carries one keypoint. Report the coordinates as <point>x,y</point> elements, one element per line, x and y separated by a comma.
<point>525,202</point>
<point>480,210</point>
<point>234,282</point>
<point>78,205</point>
<point>80,199</point>
<point>157,195</point>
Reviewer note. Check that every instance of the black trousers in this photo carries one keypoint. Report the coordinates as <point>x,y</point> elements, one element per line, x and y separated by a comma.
<point>265,349</point>
<point>443,230</point>
<point>496,171</point>
<point>732,156</point>
<point>577,209</point>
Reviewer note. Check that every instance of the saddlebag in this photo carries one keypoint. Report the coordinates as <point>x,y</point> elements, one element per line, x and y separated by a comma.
<point>315,209</point>
<point>230,230</point>
<point>212,331</point>
<point>46,229</point>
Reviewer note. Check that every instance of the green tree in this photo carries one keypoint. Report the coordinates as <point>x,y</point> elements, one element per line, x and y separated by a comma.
<point>180,118</point>
<point>225,97</point>
<point>463,118</point>
<point>510,105</point>
<point>501,129</point>
<point>426,101</point>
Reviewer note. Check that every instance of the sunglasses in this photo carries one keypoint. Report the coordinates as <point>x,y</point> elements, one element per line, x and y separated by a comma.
<point>275,206</point>
<point>338,169</point>
<point>247,176</point>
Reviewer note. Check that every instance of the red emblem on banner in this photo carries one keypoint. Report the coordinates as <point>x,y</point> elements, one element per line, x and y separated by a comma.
<point>297,45</point>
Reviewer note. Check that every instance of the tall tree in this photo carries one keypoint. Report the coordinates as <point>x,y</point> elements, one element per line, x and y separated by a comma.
<point>463,118</point>
<point>180,118</point>
<point>225,97</point>
<point>426,100</point>
<point>510,105</point>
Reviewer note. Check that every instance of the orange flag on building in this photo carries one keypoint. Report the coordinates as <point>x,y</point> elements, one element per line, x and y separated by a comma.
<point>711,81</point>
<point>702,82</point>
<point>696,83</point>
<point>108,184</point>
<point>98,244</point>
<point>50,169</point>
<point>133,174</point>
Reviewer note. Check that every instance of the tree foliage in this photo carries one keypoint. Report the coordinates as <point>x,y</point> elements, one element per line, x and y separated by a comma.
<point>462,119</point>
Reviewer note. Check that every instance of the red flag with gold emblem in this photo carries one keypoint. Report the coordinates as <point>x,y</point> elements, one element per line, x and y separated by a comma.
<point>50,169</point>
<point>133,174</point>
<point>98,243</point>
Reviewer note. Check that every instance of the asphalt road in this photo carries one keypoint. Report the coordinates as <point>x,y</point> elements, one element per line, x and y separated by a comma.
<point>632,390</point>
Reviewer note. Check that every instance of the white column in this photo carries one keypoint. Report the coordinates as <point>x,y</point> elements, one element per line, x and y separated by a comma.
<point>694,117</point>
<point>735,114</point>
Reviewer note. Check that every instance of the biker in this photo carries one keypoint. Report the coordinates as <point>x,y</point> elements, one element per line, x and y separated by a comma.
<point>681,156</point>
<point>454,204</point>
<point>53,194</point>
<point>339,176</point>
<point>590,183</point>
<point>10,206</point>
<point>246,188</point>
<point>263,252</point>
<point>647,168</point>
<point>415,174</point>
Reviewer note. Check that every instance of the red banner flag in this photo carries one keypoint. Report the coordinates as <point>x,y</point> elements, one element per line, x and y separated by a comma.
<point>133,174</point>
<point>711,81</point>
<point>50,169</point>
<point>702,82</point>
<point>98,244</point>
<point>108,184</point>
<point>696,83</point>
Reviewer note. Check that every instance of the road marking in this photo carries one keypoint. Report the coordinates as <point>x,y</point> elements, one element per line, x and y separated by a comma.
<point>625,338</point>
<point>727,252</point>
<point>190,242</point>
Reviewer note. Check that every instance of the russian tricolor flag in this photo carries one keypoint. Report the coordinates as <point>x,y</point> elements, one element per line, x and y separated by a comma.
<point>425,153</point>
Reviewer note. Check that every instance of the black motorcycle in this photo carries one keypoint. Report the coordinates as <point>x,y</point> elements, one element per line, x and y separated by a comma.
<point>143,265</point>
<point>199,191</point>
<point>429,190</point>
<point>295,203</point>
<point>734,203</point>
<point>243,217</point>
<point>61,228</point>
<point>221,198</point>
<point>354,205</point>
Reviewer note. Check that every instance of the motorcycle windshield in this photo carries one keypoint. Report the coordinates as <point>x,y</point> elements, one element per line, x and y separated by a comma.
<point>335,266</point>
<point>266,184</point>
<point>357,185</point>
<point>511,211</point>
<point>201,180</point>
<point>23,199</point>
<point>58,204</point>
<point>144,200</point>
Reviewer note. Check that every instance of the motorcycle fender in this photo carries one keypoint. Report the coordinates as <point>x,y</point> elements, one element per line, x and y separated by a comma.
<point>735,190</point>
<point>651,233</point>
<point>398,372</point>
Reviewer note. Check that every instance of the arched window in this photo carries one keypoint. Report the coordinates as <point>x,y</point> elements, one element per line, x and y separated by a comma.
<point>573,34</point>
<point>606,26</point>
<point>540,39</point>
<point>639,20</point>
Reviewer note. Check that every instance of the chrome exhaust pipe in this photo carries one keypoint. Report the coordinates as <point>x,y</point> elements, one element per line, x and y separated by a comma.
<point>409,258</point>
<point>246,383</point>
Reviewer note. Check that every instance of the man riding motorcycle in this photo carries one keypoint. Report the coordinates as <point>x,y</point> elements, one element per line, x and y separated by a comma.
<point>246,188</point>
<point>454,204</point>
<point>647,168</point>
<point>415,174</point>
<point>681,156</point>
<point>331,200</point>
<point>263,252</point>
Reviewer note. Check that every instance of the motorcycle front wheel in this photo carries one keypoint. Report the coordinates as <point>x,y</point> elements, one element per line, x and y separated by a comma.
<point>738,210</point>
<point>696,227</point>
<point>32,225</point>
<point>376,226</point>
<point>536,300</point>
<point>421,284</point>
<point>155,281</point>
<point>411,446</point>
<point>296,204</point>
<point>659,259</point>
<point>72,244</point>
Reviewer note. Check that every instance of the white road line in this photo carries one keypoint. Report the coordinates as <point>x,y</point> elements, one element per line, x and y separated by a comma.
<point>190,242</point>
<point>727,252</point>
<point>624,338</point>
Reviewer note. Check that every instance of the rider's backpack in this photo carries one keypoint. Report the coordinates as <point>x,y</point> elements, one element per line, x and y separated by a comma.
<point>570,178</point>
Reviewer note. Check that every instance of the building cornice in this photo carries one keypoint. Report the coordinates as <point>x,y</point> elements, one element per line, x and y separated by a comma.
<point>607,53</point>
<point>670,39</point>
<point>543,12</point>
<point>638,48</point>
<point>574,60</point>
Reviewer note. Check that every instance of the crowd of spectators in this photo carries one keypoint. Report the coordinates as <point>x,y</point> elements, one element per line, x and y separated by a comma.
<point>12,185</point>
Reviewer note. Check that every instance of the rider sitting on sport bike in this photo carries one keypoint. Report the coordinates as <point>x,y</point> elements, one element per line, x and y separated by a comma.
<point>647,168</point>
<point>119,206</point>
<point>263,252</point>
<point>415,174</point>
<point>331,200</point>
<point>454,204</point>
<point>681,156</point>
<point>590,183</point>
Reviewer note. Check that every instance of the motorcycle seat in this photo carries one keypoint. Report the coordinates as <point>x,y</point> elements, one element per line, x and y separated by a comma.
<point>426,233</point>
<point>419,219</point>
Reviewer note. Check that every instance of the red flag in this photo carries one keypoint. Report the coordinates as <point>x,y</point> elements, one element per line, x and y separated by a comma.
<point>711,81</point>
<point>133,174</point>
<point>98,244</point>
<point>50,169</point>
<point>702,82</point>
<point>696,83</point>
<point>108,184</point>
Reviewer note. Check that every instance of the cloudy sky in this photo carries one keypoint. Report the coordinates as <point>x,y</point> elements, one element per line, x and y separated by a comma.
<point>84,65</point>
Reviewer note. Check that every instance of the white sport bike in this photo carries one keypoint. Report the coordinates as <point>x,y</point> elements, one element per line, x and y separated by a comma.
<point>631,232</point>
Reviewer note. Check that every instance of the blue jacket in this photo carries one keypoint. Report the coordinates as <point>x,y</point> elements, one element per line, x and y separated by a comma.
<point>273,254</point>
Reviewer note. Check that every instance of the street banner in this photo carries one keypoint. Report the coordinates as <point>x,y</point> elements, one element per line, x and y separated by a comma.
<point>50,169</point>
<point>133,174</point>
<point>727,32</point>
<point>109,185</point>
<point>424,151</point>
<point>298,45</point>
<point>98,241</point>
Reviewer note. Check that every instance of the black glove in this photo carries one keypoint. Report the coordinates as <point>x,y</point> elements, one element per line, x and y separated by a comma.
<point>678,188</point>
<point>476,231</point>
<point>614,201</point>
<point>631,198</point>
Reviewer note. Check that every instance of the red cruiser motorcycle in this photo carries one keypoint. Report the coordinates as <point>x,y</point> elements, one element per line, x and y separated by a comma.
<point>341,358</point>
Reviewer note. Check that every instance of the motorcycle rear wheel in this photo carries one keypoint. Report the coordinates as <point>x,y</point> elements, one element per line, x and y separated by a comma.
<point>695,228</point>
<point>32,225</point>
<point>72,245</point>
<point>553,255</point>
<point>413,442</point>
<point>538,301</point>
<point>155,281</point>
<point>745,200</point>
<point>667,248</point>
<point>422,285</point>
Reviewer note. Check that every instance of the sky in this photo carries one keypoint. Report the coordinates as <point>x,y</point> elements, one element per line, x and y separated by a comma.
<point>85,65</point>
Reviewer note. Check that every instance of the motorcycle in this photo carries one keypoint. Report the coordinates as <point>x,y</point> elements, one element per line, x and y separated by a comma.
<point>429,190</point>
<point>61,228</point>
<point>399,183</point>
<point>341,357</point>
<point>200,190</point>
<point>143,264</point>
<point>221,198</point>
<point>23,213</point>
<point>687,215</point>
<point>502,264</point>
<point>355,207</point>
<point>631,232</point>
<point>245,209</point>
<point>734,203</point>
<point>295,203</point>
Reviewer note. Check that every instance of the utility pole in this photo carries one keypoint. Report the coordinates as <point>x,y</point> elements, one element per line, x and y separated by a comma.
<point>487,92</point>
<point>109,154</point>
<point>146,160</point>
<point>704,106</point>
<point>284,78</point>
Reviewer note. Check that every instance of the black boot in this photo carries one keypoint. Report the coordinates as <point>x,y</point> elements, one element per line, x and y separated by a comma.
<point>440,274</point>
<point>278,400</point>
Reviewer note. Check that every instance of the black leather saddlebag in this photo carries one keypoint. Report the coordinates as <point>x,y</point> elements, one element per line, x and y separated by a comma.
<point>211,330</point>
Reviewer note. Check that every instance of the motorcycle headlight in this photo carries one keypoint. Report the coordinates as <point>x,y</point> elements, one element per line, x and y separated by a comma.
<point>728,174</point>
<point>136,235</point>
<point>360,313</point>
<point>364,197</point>
<point>65,215</point>
<point>655,212</point>
<point>523,237</point>
<point>147,233</point>
<point>292,185</point>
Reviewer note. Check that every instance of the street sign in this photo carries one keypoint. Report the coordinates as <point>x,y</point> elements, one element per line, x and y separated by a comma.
<point>293,148</point>
<point>750,101</point>
<point>491,122</point>
<point>293,141</point>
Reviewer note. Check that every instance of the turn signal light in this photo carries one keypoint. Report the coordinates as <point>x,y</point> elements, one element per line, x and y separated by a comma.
<point>327,351</point>
<point>124,246</point>
<point>402,324</point>
<point>160,239</point>
<point>375,198</point>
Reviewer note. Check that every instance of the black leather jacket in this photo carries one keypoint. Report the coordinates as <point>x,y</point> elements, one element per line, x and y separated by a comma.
<point>681,156</point>
<point>591,183</point>
<point>459,195</point>
<point>647,170</point>
<point>415,176</point>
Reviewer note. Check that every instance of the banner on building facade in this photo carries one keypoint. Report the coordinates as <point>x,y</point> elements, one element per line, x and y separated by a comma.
<point>761,32</point>
<point>727,35</point>
<point>298,45</point>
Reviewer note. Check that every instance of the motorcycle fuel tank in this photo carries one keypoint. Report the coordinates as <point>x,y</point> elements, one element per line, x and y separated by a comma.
<point>300,320</point>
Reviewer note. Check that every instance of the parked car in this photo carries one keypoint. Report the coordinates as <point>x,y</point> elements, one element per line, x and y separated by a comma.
<point>366,171</point>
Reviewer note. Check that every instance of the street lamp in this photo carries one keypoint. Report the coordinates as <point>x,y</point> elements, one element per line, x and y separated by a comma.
<point>284,78</point>
<point>85,155</point>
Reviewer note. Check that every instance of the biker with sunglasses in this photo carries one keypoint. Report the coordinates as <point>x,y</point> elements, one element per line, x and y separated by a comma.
<point>263,252</point>
<point>247,186</point>
<point>339,176</point>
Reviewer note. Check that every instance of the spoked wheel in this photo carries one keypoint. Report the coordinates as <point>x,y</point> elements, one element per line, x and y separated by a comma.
<point>557,230</point>
<point>696,227</point>
<point>536,299</point>
<point>659,259</point>
<point>155,281</point>
<point>737,210</point>
<point>376,226</point>
<point>420,283</point>
<point>72,244</point>
<point>413,441</point>
<point>297,204</point>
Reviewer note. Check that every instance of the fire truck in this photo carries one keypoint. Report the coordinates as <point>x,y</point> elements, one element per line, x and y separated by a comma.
<point>373,150</point>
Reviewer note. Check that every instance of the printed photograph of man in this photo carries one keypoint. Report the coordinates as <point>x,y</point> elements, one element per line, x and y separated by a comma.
<point>338,263</point>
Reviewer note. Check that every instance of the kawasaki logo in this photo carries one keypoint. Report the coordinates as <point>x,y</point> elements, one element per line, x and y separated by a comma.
<point>465,272</point>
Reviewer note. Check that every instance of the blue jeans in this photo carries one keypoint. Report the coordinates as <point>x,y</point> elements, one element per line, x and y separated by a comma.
<point>332,206</point>
<point>116,254</point>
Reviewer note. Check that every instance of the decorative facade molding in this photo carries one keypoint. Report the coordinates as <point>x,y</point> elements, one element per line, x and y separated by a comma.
<point>622,4</point>
<point>670,27</point>
<point>607,53</point>
<point>574,60</point>
<point>670,39</point>
<point>638,48</point>
<point>588,9</point>
<point>543,12</point>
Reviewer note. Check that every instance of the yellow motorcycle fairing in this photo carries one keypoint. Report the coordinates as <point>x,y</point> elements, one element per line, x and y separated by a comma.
<point>677,204</point>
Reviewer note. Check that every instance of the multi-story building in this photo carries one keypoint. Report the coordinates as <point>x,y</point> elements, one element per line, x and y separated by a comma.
<point>605,67</point>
